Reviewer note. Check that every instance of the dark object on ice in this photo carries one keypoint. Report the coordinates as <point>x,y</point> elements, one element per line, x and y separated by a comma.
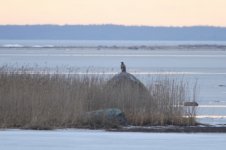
<point>123,67</point>
<point>191,104</point>
<point>106,118</point>
<point>222,85</point>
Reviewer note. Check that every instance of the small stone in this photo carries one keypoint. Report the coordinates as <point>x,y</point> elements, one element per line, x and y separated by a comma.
<point>191,104</point>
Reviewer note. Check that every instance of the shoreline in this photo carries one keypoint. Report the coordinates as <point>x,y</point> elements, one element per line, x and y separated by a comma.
<point>172,129</point>
<point>201,128</point>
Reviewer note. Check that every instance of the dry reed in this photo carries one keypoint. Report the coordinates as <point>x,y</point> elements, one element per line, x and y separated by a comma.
<point>45,101</point>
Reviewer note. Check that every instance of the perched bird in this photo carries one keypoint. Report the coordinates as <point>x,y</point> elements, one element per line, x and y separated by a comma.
<point>123,67</point>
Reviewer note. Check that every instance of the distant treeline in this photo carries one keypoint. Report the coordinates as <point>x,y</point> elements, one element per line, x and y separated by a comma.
<point>111,32</point>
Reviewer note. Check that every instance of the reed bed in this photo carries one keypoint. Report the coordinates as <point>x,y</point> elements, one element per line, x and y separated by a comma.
<point>44,100</point>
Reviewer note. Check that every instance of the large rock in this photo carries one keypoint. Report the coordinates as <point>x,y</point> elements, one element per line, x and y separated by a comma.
<point>107,118</point>
<point>124,86</point>
<point>126,92</point>
<point>126,79</point>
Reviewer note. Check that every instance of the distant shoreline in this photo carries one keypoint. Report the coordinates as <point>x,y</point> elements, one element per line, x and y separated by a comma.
<point>112,32</point>
<point>116,47</point>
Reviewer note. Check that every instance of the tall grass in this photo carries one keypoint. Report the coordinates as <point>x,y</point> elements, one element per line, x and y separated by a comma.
<point>44,100</point>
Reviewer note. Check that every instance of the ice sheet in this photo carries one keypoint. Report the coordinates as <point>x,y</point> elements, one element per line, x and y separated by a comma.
<point>101,140</point>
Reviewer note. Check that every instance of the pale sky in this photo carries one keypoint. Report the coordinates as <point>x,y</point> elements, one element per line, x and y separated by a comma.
<point>126,12</point>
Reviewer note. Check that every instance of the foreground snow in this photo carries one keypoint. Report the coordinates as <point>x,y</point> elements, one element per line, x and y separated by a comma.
<point>98,140</point>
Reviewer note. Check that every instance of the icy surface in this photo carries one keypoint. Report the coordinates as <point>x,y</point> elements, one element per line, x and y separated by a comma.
<point>101,140</point>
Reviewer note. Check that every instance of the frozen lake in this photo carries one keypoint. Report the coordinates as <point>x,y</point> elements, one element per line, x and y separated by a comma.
<point>101,140</point>
<point>143,59</point>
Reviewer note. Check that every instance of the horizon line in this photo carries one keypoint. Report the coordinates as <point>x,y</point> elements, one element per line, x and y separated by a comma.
<point>111,24</point>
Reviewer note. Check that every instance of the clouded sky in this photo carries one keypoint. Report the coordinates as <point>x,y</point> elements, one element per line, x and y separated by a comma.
<point>127,12</point>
